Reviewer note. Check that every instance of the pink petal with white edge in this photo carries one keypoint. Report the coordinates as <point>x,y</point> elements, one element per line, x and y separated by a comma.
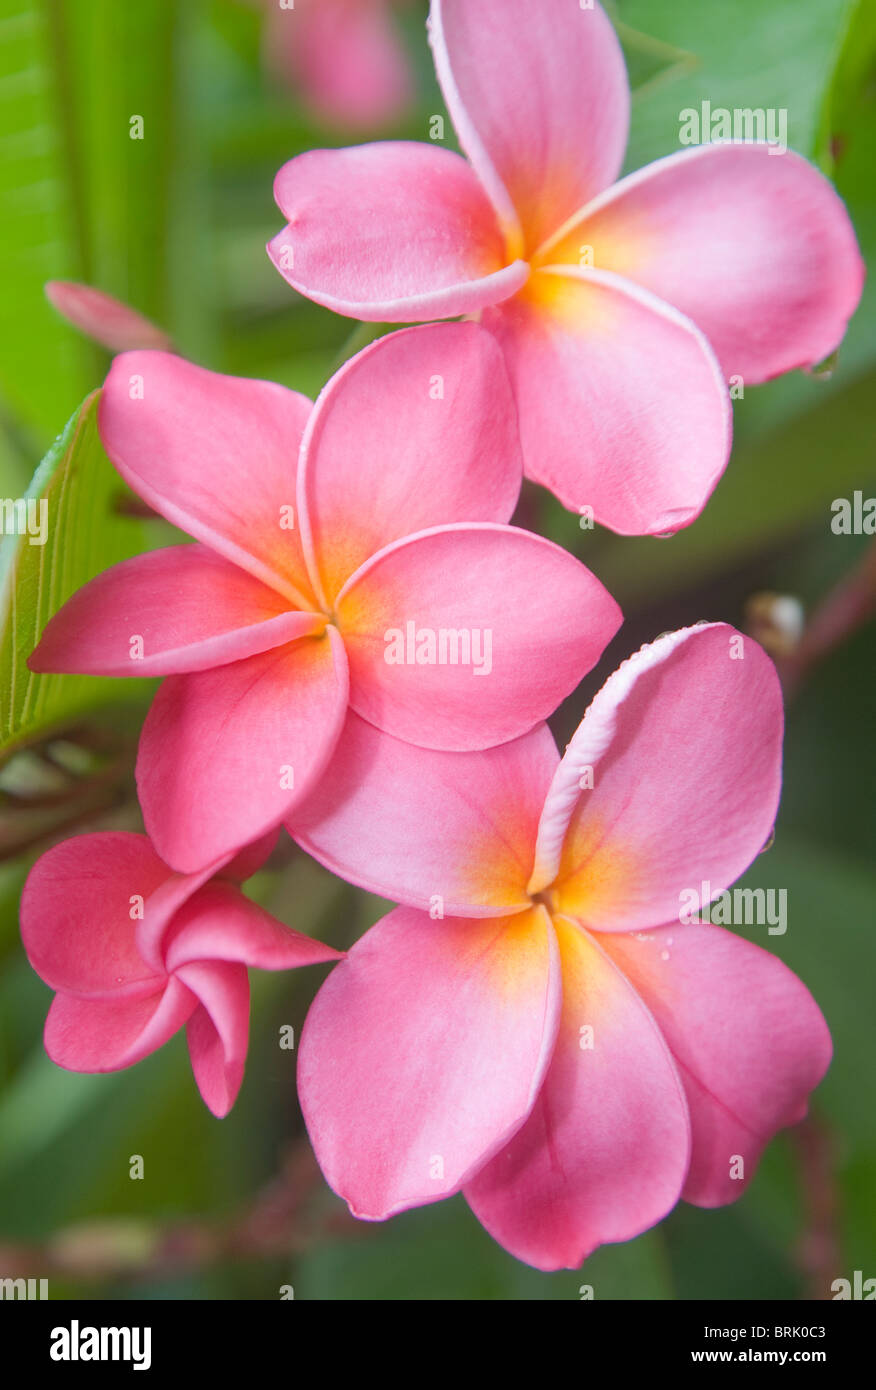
<point>685,746</point>
<point>393,232</point>
<point>418,430</point>
<point>216,455</point>
<point>183,608</point>
<point>539,96</point>
<point>76,915</point>
<point>604,1154</point>
<point>748,1038</point>
<point>453,832</point>
<point>756,248</point>
<point>106,320</point>
<point>218,1031</point>
<point>219,923</point>
<point>424,1051</point>
<point>219,749</point>
<point>97,1035</point>
<point>523,622</point>
<point>346,55</point>
<point>623,407</point>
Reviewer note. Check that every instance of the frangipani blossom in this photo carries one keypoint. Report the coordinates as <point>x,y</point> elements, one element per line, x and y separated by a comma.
<point>304,595</point>
<point>556,1044</point>
<point>136,951</point>
<point>621,307</point>
<point>346,57</point>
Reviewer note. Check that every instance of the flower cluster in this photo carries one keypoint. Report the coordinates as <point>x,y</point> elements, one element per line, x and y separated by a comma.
<point>527,1026</point>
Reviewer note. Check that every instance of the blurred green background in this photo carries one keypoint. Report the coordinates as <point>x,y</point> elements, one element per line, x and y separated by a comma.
<point>175,224</point>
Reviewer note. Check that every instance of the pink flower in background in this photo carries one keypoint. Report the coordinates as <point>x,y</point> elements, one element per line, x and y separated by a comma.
<point>305,595</point>
<point>346,57</point>
<point>136,951</point>
<point>621,307</point>
<point>116,326</point>
<point>556,1044</point>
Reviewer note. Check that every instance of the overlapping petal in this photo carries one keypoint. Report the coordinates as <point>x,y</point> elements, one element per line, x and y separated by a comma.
<point>597,364</point>
<point>180,609</point>
<point>225,754</point>
<point>684,746</point>
<point>749,1041</point>
<point>604,1154</point>
<point>214,454</point>
<point>218,1031</point>
<point>79,914</point>
<point>509,624</point>
<point>539,96</point>
<point>755,247</point>
<point>98,1035</point>
<point>418,430</point>
<point>450,832</point>
<point>219,924</point>
<point>424,1051</point>
<point>392,232</point>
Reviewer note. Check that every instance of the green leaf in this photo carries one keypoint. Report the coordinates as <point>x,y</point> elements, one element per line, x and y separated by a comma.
<point>84,534</point>
<point>747,54</point>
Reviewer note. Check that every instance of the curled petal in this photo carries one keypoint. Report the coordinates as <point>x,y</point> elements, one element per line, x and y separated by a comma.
<point>671,779</point>
<point>96,1035</point>
<point>80,909</point>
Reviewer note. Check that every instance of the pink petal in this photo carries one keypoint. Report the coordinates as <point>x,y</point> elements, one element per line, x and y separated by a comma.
<point>424,1051</point>
<point>447,832</point>
<point>107,1034</point>
<point>393,232</point>
<point>220,748</point>
<point>76,915</point>
<point>218,1031</point>
<point>215,455</point>
<point>749,1040</point>
<point>418,430</point>
<point>108,321</point>
<point>685,746</point>
<point>757,249</point>
<point>219,923</point>
<point>347,57</point>
<point>183,608</point>
<point>161,908</point>
<point>539,96</point>
<point>529,617</point>
<point>622,404</point>
<point>604,1154</point>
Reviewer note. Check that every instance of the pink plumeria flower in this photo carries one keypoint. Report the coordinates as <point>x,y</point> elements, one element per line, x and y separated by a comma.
<point>107,321</point>
<point>305,595</point>
<point>622,308</point>
<point>136,951</point>
<point>557,1045</point>
<point>346,57</point>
